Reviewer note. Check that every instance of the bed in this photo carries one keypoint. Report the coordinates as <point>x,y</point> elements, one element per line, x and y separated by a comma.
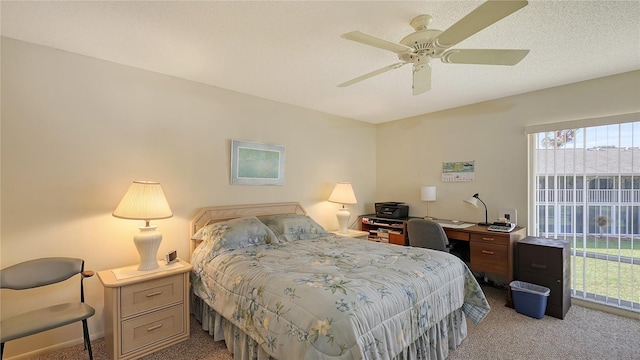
<point>273,284</point>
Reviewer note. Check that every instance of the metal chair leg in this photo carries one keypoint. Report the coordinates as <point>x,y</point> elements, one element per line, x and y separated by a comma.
<point>87,340</point>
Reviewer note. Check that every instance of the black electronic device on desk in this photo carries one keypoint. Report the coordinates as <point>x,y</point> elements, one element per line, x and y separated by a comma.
<point>502,227</point>
<point>392,210</point>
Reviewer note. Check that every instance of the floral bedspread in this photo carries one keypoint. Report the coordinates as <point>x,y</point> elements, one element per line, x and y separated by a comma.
<point>334,297</point>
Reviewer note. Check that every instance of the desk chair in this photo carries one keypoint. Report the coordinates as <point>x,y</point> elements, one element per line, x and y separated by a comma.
<point>427,234</point>
<point>41,272</point>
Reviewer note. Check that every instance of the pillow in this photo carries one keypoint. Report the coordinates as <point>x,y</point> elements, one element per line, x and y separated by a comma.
<point>292,227</point>
<point>236,234</point>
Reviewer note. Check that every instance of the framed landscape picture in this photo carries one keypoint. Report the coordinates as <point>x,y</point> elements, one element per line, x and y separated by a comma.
<point>256,163</point>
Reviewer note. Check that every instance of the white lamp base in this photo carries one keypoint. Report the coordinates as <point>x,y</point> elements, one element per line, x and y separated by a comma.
<point>343,216</point>
<point>147,242</point>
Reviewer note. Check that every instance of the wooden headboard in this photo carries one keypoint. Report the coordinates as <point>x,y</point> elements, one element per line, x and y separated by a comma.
<point>213,214</point>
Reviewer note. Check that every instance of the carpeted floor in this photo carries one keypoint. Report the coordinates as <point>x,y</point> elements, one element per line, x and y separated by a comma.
<point>584,334</point>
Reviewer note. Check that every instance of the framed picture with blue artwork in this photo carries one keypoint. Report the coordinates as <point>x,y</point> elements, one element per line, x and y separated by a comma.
<point>255,163</point>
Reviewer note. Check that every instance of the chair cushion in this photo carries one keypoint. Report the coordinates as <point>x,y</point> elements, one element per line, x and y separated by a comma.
<point>39,320</point>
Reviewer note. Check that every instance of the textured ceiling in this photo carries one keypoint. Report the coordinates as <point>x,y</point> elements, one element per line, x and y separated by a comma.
<point>292,51</point>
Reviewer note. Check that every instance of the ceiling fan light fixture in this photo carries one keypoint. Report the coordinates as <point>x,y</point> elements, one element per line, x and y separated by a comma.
<point>422,76</point>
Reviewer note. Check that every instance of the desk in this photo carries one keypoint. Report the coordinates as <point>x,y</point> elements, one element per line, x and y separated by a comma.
<point>489,251</point>
<point>381,229</point>
<point>486,251</point>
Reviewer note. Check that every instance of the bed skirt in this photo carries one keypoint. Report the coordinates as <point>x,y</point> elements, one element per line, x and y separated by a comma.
<point>434,344</point>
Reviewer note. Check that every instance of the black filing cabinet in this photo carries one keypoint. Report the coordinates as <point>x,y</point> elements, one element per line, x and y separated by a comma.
<point>546,262</point>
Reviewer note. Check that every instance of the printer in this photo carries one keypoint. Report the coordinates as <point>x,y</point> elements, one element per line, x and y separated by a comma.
<point>392,210</point>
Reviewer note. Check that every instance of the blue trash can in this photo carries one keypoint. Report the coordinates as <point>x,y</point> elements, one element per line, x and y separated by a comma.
<point>529,299</point>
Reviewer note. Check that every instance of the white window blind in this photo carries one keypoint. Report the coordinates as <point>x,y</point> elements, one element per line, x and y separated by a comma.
<point>585,188</point>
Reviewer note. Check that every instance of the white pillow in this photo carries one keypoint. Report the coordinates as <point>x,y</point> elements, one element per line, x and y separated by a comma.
<point>236,234</point>
<point>293,227</point>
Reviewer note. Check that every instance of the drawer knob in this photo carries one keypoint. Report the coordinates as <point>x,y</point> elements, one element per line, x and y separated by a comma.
<point>488,239</point>
<point>488,252</point>
<point>151,328</point>
<point>155,293</point>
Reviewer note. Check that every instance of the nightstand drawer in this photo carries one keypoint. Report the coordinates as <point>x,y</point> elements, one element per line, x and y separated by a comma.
<point>490,239</point>
<point>489,257</point>
<point>152,294</point>
<point>148,329</point>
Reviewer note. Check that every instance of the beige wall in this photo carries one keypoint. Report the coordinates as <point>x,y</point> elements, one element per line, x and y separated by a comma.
<point>76,131</point>
<point>411,151</point>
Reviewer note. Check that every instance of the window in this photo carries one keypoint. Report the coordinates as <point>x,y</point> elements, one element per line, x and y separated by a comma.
<point>585,188</point>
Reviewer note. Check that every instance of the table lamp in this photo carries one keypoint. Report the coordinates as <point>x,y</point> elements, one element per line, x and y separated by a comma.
<point>428,193</point>
<point>144,200</point>
<point>474,201</point>
<point>343,194</point>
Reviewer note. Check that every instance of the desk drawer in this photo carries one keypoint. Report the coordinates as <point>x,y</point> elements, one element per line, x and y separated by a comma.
<point>457,235</point>
<point>489,257</point>
<point>152,294</point>
<point>154,327</point>
<point>490,239</point>
<point>397,239</point>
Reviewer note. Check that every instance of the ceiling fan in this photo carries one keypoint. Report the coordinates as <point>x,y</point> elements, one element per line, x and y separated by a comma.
<point>424,44</point>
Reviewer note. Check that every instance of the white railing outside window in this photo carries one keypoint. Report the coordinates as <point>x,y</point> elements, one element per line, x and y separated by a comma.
<point>593,196</point>
<point>586,190</point>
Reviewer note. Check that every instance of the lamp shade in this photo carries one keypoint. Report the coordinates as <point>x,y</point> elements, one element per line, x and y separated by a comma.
<point>144,200</point>
<point>343,194</point>
<point>428,193</point>
<point>472,200</point>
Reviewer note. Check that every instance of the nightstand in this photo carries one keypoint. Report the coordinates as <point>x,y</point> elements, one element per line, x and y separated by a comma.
<point>353,234</point>
<point>145,311</point>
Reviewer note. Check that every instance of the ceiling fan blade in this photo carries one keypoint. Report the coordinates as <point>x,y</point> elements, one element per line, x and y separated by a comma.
<point>483,56</point>
<point>372,74</point>
<point>421,78</point>
<point>481,17</point>
<point>376,42</point>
